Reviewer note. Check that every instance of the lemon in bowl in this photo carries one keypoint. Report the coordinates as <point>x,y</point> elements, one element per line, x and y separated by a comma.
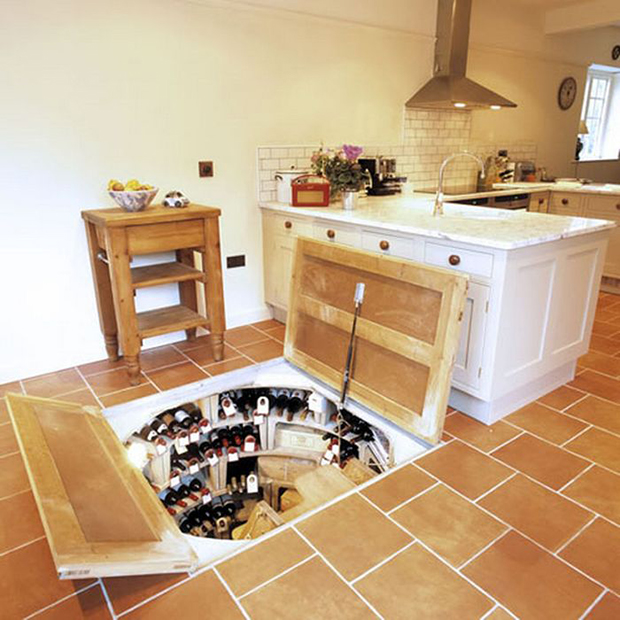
<point>133,195</point>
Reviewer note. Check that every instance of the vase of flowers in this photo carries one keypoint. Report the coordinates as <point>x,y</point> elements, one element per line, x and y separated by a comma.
<point>343,171</point>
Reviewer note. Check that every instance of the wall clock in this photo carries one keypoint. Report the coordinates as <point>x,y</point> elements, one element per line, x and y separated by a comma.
<point>567,93</point>
<point>615,52</point>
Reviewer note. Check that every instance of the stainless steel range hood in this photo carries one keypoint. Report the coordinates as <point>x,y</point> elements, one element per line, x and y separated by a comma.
<point>449,88</point>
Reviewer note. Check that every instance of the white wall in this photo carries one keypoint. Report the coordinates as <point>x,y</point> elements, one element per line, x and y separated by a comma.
<point>146,88</point>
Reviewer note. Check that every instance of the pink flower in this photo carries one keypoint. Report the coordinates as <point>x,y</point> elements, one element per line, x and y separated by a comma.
<point>352,152</point>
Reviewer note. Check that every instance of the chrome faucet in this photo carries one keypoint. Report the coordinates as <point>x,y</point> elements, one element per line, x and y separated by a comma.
<point>438,208</point>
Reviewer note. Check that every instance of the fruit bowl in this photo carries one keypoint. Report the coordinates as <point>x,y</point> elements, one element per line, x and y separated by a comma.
<point>134,200</point>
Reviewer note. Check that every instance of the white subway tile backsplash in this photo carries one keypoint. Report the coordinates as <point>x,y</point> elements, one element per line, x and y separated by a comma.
<point>428,137</point>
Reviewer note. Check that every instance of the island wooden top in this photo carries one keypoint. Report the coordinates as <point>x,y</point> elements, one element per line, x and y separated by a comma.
<point>154,214</point>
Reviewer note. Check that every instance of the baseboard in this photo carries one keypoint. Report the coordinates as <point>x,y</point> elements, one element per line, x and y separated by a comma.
<point>489,412</point>
<point>610,284</point>
<point>255,315</point>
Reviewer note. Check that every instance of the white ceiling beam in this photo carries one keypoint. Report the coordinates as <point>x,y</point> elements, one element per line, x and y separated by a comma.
<point>582,16</point>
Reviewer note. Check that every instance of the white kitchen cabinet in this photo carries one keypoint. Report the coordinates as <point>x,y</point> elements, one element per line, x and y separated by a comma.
<point>521,345</point>
<point>566,203</point>
<point>607,208</point>
<point>539,202</point>
<point>468,363</point>
<point>337,233</point>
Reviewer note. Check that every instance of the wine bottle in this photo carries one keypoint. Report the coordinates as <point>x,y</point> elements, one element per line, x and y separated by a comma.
<point>183,491</point>
<point>204,446</point>
<point>236,433</point>
<point>147,433</point>
<point>281,401</point>
<point>223,435</point>
<point>170,497</point>
<point>293,406</point>
<point>228,503</point>
<point>183,418</point>
<point>185,525</point>
<point>195,484</point>
<point>159,425</point>
<point>194,411</point>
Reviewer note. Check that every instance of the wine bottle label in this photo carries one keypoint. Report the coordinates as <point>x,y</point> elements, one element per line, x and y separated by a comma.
<point>194,434</point>
<point>212,458</point>
<point>175,479</point>
<point>161,447</point>
<point>252,483</point>
<point>206,496</point>
<point>249,445</point>
<point>262,407</point>
<point>258,418</point>
<point>230,409</point>
<point>205,426</point>
<point>194,467</point>
<point>233,455</point>
<point>183,439</point>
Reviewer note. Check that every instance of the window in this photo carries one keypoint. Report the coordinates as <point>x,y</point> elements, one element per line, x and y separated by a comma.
<point>594,112</point>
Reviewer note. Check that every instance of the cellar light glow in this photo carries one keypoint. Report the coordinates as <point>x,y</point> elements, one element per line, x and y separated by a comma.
<point>496,107</point>
<point>459,104</point>
<point>137,454</point>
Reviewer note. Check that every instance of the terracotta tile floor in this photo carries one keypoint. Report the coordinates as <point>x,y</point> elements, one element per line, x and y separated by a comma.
<point>519,519</point>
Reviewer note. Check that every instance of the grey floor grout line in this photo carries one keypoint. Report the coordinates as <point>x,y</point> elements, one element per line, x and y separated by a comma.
<point>575,535</point>
<point>338,575</point>
<point>594,603</point>
<point>231,594</point>
<point>88,387</point>
<point>409,500</point>
<point>435,554</point>
<point>494,488</point>
<point>106,596</point>
<point>581,473</point>
<point>275,577</point>
<point>478,553</point>
<point>23,545</point>
<point>60,600</point>
<point>378,565</point>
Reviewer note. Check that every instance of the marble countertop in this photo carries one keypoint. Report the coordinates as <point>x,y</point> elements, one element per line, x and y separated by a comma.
<point>492,228</point>
<point>605,189</point>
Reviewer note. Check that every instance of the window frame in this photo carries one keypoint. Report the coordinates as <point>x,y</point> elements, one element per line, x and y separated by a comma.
<point>594,74</point>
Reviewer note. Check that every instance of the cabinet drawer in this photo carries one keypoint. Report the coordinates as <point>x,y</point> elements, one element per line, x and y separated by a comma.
<point>149,238</point>
<point>290,226</point>
<point>388,244</point>
<point>476,263</point>
<point>565,203</point>
<point>326,231</point>
<point>603,207</point>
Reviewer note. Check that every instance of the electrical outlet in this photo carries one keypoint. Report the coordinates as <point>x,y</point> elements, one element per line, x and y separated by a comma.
<point>235,261</point>
<point>205,168</point>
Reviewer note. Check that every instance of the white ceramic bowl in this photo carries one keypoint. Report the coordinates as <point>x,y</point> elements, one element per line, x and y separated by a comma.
<point>134,201</point>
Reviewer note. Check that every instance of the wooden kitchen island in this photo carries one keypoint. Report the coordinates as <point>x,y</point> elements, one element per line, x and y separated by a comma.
<point>533,283</point>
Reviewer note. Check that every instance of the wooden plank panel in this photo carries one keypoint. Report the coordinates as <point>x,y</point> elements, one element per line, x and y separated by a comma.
<point>153,214</point>
<point>150,238</point>
<point>407,332</point>
<point>93,486</point>
<point>100,515</point>
<point>403,306</point>
<point>397,378</point>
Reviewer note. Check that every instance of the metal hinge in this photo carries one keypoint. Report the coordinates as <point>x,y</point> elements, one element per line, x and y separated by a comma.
<point>486,307</point>
<point>479,372</point>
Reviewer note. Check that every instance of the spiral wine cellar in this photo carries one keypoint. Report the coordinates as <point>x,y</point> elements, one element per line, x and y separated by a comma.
<point>174,481</point>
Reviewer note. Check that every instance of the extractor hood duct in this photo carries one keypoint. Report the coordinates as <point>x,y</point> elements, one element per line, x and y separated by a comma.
<point>449,88</point>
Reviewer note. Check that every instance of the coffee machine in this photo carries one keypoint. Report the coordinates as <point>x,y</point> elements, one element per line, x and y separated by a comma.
<point>383,179</point>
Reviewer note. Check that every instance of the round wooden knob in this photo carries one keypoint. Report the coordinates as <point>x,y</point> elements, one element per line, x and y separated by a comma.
<point>288,224</point>
<point>564,201</point>
<point>541,201</point>
<point>618,206</point>
<point>331,233</point>
<point>454,259</point>
<point>384,245</point>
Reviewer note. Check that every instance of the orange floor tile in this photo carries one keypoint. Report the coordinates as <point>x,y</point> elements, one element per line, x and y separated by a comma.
<point>518,519</point>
